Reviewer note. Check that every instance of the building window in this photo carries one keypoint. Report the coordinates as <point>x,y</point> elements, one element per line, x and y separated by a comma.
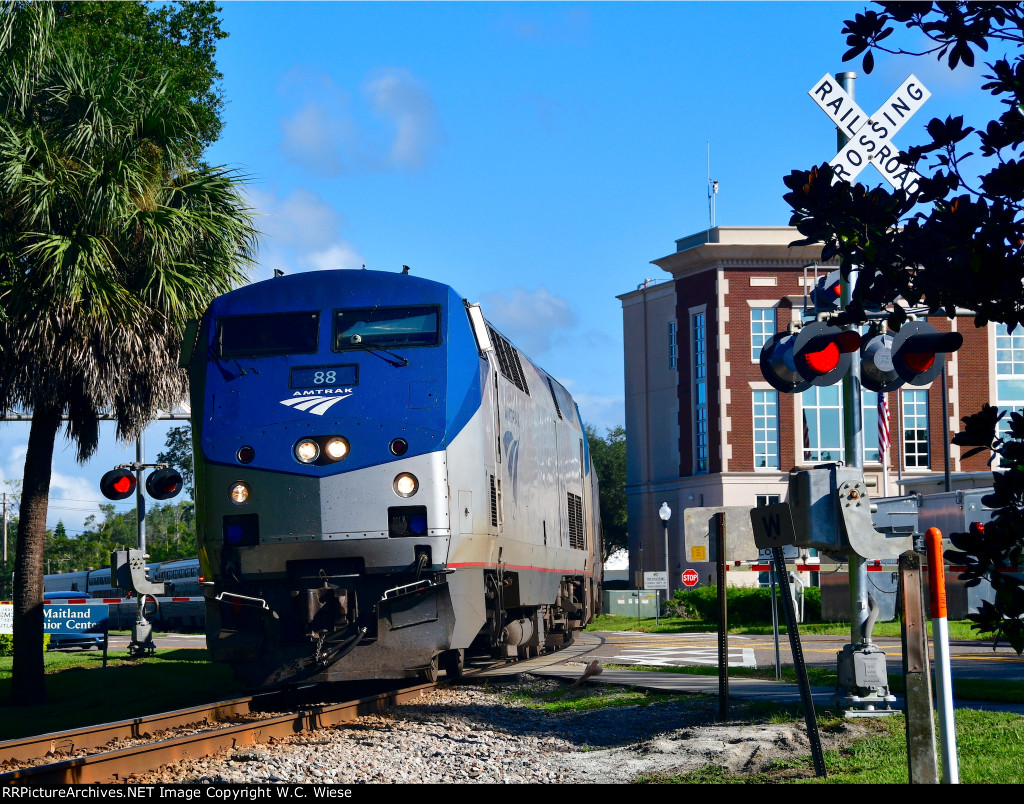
<point>869,420</point>
<point>762,327</point>
<point>766,429</point>
<point>767,499</point>
<point>915,429</point>
<point>1009,373</point>
<point>822,412</point>
<point>698,328</point>
<point>673,351</point>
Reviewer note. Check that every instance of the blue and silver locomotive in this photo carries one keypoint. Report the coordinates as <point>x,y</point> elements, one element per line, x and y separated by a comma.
<point>383,483</point>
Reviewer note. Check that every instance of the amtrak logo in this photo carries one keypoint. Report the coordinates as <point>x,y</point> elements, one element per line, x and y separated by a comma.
<point>317,403</point>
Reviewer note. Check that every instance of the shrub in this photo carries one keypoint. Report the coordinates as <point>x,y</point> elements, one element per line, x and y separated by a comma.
<point>744,605</point>
<point>7,644</point>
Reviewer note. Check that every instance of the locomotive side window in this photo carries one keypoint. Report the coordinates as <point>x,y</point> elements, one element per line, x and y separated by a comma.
<point>387,327</point>
<point>265,335</point>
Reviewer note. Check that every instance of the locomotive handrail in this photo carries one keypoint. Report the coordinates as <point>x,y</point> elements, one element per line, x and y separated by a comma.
<point>409,588</point>
<point>257,600</point>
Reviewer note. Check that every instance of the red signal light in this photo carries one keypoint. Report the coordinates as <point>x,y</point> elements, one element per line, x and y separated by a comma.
<point>915,349</point>
<point>977,528</point>
<point>117,484</point>
<point>919,362</point>
<point>164,484</point>
<point>824,361</point>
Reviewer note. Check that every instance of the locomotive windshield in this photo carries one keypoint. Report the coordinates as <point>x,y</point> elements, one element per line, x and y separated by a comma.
<point>386,327</point>
<point>268,334</point>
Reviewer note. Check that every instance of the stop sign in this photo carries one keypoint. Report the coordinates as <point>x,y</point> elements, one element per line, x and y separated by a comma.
<point>690,577</point>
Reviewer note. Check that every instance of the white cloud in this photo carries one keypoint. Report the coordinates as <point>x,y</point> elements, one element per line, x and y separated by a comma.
<point>340,255</point>
<point>531,319</point>
<point>302,232</point>
<point>400,98</point>
<point>325,136</point>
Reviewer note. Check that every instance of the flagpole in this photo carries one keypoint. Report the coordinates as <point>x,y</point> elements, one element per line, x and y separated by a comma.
<point>884,441</point>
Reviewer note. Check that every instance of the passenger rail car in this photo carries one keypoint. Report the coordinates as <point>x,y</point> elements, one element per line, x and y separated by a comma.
<point>181,608</point>
<point>383,482</point>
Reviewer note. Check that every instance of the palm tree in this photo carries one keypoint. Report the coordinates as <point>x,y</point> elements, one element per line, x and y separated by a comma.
<point>113,235</point>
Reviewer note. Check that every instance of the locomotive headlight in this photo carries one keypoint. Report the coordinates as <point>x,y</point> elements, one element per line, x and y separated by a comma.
<point>307,450</point>
<point>406,484</point>
<point>336,448</point>
<point>239,493</point>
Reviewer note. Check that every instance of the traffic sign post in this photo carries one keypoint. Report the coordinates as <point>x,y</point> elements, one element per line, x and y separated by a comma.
<point>657,581</point>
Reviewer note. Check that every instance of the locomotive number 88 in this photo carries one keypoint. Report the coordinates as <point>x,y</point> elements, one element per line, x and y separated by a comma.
<point>383,483</point>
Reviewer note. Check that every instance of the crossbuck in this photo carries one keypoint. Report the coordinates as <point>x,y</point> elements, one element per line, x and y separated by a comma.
<point>870,138</point>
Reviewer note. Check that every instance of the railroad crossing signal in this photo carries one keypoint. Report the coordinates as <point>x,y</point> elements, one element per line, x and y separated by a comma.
<point>164,484</point>
<point>870,138</point>
<point>819,354</point>
<point>919,351</point>
<point>876,369</point>
<point>826,292</point>
<point>118,484</point>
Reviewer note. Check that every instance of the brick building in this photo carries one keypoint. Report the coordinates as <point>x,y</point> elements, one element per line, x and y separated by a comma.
<point>705,429</point>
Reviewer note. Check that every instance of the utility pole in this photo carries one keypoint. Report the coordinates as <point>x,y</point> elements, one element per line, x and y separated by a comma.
<point>6,521</point>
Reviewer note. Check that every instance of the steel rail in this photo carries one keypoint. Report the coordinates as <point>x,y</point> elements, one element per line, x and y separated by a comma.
<point>24,749</point>
<point>119,765</point>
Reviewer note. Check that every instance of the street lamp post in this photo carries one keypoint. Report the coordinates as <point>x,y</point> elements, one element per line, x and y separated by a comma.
<point>665,512</point>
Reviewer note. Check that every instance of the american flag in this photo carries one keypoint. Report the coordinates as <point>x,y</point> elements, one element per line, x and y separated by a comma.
<point>883,427</point>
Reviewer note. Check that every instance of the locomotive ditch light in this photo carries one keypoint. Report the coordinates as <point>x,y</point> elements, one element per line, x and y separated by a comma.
<point>919,351</point>
<point>406,484</point>
<point>877,372</point>
<point>239,493</point>
<point>118,484</point>
<point>164,484</point>
<point>307,450</point>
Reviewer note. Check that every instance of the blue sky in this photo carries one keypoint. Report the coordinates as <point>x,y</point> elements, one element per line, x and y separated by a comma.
<point>535,156</point>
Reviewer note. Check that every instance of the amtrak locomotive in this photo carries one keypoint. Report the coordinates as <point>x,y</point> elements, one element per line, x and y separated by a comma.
<point>383,483</point>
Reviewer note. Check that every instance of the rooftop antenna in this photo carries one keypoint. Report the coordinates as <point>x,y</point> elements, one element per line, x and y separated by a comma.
<point>712,192</point>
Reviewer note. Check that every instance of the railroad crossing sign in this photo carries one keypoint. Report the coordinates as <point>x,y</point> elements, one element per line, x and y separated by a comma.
<point>690,577</point>
<point>871,137</point>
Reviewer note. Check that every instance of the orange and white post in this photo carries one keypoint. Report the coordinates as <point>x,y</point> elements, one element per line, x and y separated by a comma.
<point>943,673</point>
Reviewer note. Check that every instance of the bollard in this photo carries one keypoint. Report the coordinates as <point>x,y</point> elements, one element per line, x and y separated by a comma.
<point>943,673</point>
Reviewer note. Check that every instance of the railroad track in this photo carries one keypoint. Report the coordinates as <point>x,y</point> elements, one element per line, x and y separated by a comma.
<point>218,729</point>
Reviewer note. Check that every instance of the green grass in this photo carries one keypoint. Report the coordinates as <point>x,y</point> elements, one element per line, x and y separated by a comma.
<point>958,629</point>
<point>81,692</point>
<point>585,699</point>
<point>989,745</point>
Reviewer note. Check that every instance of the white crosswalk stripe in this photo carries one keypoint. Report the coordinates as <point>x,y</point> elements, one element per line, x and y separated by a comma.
<point>682,656</point>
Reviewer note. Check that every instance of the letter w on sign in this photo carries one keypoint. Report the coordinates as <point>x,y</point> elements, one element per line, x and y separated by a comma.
<point>870,138</point>
<point>773,525</point>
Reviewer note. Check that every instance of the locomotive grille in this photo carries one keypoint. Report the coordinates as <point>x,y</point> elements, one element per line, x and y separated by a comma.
<point>508,360</point>
<point>576,540</point>
<point>551,388</point>
<point>494,504</point>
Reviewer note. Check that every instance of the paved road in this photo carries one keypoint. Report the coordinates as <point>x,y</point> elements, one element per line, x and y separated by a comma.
<point>968,658</point>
